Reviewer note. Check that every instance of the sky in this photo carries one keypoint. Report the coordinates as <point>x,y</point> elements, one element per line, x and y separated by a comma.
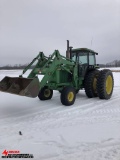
<point>30,26</point>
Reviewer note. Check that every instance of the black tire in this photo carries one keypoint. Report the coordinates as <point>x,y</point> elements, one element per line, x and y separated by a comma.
<point>45,93</point>
<point>68,96</point>
<point>90,83</point>
<point>77,90</point>
<point>105,84</point>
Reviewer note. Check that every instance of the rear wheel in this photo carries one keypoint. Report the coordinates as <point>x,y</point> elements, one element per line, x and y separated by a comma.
<point>91,83</point>
<point>68,96</point>
<point>105,84</point>
<point>45,93</point>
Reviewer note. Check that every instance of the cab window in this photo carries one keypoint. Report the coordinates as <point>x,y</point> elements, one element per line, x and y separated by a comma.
<point>91,59</point>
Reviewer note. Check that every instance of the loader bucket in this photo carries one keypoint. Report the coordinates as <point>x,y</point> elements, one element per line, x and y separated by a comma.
<point>28,87</point>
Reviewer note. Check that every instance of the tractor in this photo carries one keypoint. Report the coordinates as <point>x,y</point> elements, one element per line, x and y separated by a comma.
<point>77,71</point>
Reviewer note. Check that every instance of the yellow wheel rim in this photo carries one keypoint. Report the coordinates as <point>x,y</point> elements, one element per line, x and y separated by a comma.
<point>109,84</point>
<point>94,84</point>
<point>47,93</point>
<point>70,96</point>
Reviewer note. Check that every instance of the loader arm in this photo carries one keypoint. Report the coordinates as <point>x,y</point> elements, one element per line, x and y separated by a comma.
<point>54,63</point>
<point>51,67</point>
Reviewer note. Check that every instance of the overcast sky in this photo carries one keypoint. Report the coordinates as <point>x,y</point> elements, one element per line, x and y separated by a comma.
<point>30,26</point>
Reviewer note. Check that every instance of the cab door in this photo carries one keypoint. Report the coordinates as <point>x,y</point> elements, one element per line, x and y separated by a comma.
<point>83,63</point>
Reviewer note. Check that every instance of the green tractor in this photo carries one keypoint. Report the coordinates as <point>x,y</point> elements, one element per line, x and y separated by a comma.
<point>78,70</point>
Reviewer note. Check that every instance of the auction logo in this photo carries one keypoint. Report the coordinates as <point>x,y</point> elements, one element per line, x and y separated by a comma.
<point>15,154</point>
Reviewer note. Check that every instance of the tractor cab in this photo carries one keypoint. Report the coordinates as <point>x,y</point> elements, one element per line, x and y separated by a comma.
<point>85,58</point>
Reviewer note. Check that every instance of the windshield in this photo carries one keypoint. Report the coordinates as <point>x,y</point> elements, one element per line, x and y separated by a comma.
<point>81,57</point>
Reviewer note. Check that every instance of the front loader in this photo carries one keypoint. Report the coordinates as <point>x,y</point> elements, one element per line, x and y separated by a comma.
<point>68,75</point>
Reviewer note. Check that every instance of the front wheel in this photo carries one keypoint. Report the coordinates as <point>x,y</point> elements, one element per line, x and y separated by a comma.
<point>45,93</point>
<point>68,96</point>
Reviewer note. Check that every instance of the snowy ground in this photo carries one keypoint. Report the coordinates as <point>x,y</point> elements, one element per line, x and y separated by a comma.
<point>88,130</point>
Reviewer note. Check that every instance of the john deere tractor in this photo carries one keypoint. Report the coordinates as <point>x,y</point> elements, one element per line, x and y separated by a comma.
<point>78,70</point>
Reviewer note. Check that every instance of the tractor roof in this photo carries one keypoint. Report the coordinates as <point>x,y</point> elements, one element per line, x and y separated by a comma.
<point>84,49</point>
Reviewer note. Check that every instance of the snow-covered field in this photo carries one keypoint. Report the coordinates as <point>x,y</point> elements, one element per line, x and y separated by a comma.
<point>88,130</point>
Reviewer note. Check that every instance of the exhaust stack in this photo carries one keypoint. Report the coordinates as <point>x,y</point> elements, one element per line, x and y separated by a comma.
<point>68,51</point>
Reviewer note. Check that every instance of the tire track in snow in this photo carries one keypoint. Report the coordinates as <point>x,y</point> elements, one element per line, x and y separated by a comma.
<point>82,108</point>
<point>106,150</point>
<point>94,111</point>
<point>84,103</point>
<point>56,118</point>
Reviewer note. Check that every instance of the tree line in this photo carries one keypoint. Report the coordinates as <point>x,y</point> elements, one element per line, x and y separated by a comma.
<point>115,63</point>
<point>16,66</point>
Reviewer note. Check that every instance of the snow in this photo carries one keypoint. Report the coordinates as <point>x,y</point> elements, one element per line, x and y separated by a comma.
<point>88,130</point>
